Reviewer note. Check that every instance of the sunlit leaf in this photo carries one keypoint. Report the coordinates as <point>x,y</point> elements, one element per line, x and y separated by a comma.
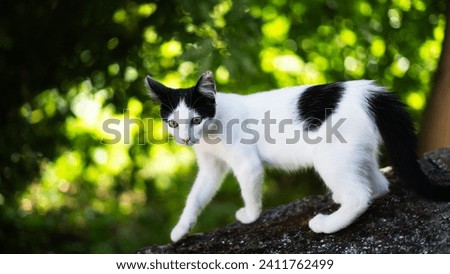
<point>416,100</point>
<point>171,49</point>
<point>277,29</point>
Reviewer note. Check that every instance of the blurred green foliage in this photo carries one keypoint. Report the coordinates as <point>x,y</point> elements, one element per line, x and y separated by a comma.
<point>67,66</point>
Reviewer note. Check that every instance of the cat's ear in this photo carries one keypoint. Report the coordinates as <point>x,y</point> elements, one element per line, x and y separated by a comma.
<point>206,85</point>
<point>155,88</point>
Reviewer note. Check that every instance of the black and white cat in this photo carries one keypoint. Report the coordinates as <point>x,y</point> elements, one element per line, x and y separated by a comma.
<point>335,128</point>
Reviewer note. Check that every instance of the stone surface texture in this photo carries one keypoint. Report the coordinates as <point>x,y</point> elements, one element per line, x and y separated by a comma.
<point>400,222</point>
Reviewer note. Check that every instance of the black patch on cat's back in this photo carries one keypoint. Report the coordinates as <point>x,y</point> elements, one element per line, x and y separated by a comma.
<point>318,102</point>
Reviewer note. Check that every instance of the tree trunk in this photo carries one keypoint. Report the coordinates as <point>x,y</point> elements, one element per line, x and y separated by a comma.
<point>435,132</point>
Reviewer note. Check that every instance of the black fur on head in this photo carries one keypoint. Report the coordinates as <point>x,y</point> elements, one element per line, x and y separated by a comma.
<point>201,97</point>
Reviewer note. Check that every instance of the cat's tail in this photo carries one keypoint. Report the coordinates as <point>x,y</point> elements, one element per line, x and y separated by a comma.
<point>398,134</point>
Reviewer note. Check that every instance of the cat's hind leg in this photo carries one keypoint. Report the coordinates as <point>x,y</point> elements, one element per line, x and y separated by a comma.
<point>351,189</point>
<point>378,183</point>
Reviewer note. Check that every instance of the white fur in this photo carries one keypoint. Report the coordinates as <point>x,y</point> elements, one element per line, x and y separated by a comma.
<point>185,133</point>
<point>350,170</point>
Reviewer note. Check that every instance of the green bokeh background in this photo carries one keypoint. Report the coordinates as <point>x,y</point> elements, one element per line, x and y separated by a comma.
<point>67,66</point>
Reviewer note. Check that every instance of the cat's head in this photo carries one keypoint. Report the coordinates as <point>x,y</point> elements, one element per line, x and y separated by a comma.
<point>185,110</point>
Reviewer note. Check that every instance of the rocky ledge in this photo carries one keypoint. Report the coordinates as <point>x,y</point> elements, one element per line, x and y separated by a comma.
<point>400,222</point>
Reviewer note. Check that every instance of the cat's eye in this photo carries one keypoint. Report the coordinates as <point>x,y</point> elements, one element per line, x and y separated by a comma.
<point>196,120</point>
<point>172,123</point>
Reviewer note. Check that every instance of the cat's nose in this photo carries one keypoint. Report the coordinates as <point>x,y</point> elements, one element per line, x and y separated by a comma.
<point>186,140</point>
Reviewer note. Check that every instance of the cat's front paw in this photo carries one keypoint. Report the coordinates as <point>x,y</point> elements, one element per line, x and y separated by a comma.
<point>323,224</point>
<point>247,216</point>
<point>178,232</point>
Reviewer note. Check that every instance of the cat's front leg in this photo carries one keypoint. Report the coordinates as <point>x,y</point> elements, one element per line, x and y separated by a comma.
<point>250,176</point>
<point>181,229</point>
<point>211,171</point>
<point>247,215</point>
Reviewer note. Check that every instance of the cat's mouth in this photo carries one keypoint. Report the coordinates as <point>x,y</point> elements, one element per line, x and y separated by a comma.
<point>188,142</point>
